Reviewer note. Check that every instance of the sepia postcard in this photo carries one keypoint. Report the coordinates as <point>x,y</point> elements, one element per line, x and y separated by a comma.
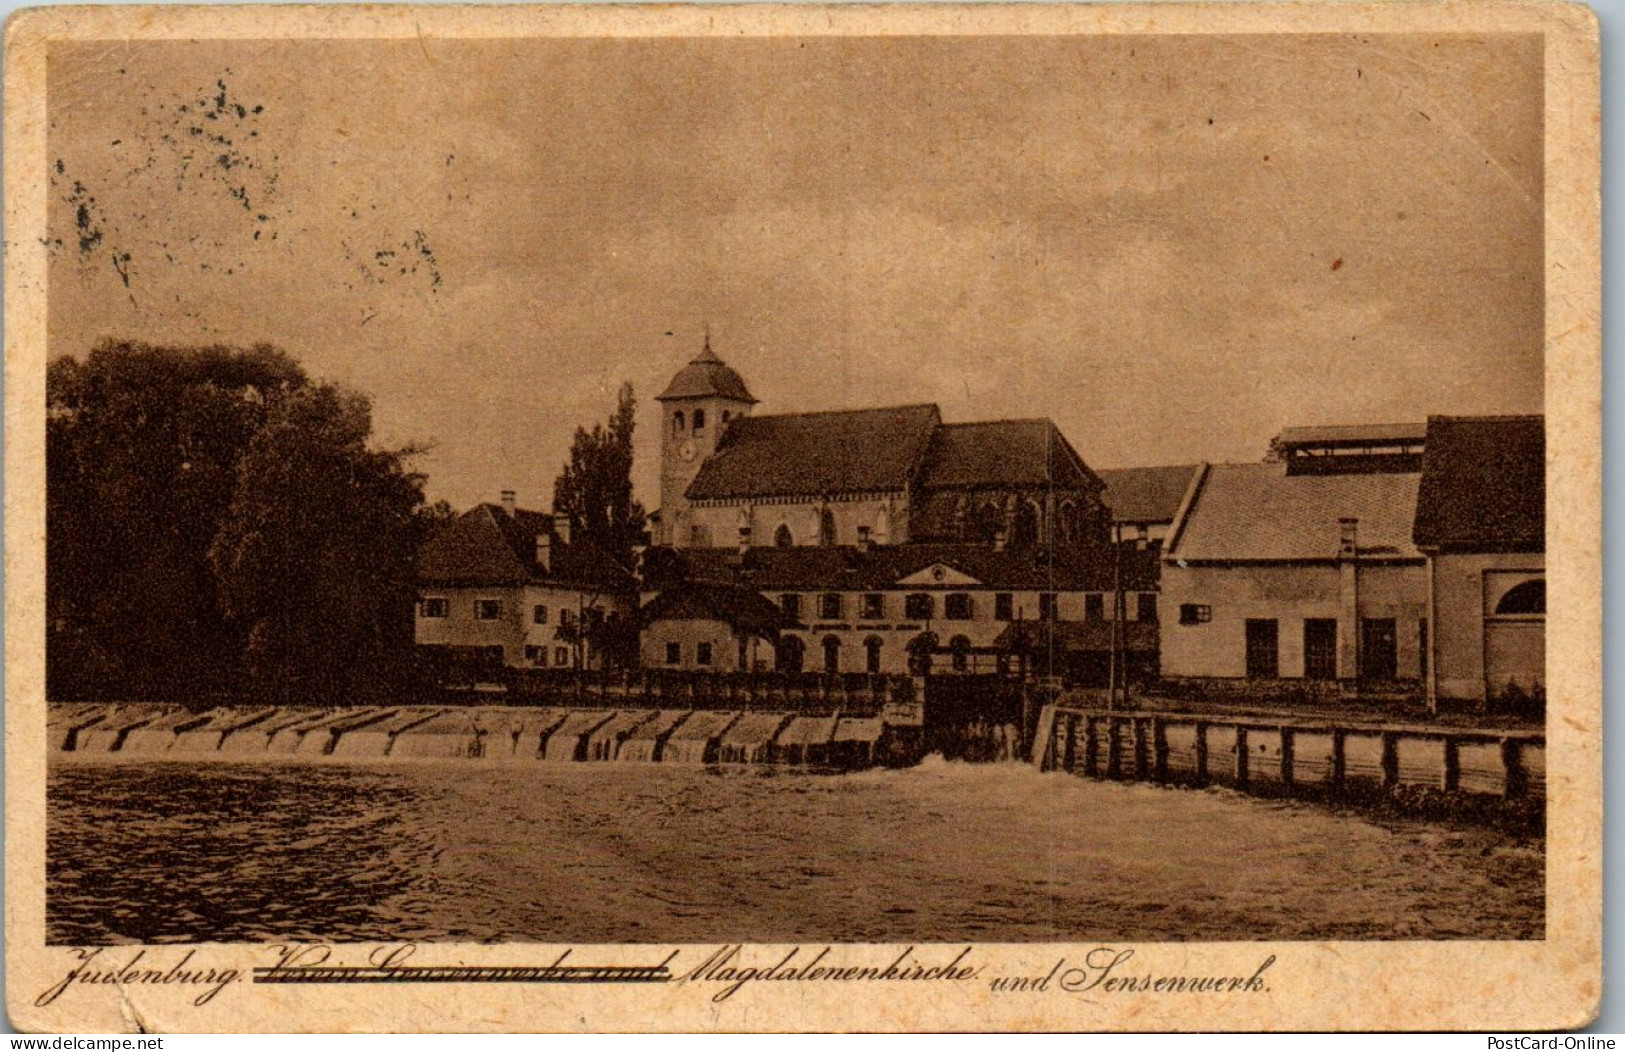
<point>803,518</point>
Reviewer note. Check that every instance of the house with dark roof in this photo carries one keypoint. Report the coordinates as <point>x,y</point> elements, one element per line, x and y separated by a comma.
<point>1481,523</point>
<point>898,609</point>
<point>1272,575</point>
<point>1145,501</point>
<point>892,475</point>
<point>503,585</point>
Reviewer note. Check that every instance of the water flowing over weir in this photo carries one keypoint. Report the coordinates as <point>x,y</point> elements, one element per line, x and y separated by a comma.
<point>489,733</point>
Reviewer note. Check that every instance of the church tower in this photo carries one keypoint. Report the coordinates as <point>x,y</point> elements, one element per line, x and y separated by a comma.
<point>698,404</point>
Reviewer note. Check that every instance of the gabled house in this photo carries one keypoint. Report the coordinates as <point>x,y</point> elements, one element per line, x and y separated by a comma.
<point>1481,522</point>
<point>1145,501</point>
<point>503,585</point>
<point>1273,574</point>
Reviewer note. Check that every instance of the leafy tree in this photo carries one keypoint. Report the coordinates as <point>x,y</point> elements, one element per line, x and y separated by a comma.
<point>210,505</point>
<point>142,446</point>
<point>315,555</point>
<point>594,490</point>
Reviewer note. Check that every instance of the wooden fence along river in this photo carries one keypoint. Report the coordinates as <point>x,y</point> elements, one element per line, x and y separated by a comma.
<point>1289,756</point>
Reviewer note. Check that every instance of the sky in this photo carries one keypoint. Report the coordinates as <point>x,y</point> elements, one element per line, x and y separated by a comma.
<point>1172,246</point>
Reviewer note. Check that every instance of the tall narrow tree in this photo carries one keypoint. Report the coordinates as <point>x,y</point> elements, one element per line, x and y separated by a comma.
<point>594,490</point>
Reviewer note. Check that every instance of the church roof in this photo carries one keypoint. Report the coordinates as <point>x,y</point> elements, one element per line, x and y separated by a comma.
<point>1004,453</point>
<point>799,454</point>
<point>707,376</point>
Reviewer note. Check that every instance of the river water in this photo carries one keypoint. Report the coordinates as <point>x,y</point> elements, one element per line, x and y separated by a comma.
<point>942,852</point>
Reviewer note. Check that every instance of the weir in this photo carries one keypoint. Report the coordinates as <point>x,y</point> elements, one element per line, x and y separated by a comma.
<point>569,741</point>
<point>748,740</point>
<point>497,733</point>
<point>644,744</point>
<point>603,742</point>
<point>698,739</point>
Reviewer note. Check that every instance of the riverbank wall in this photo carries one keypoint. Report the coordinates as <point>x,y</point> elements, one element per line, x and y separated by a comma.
<point>1434,772</point>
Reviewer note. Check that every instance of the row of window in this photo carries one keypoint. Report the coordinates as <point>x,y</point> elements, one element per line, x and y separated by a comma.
<point>702,654</point>
<point>677,420</point>
<point>958,606</point>
<point>1377,653</point>
<point>538,656</point>
<point>491,610</point>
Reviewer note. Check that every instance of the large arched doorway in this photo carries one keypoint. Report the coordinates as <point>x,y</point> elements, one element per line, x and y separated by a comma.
<point>789,654</point>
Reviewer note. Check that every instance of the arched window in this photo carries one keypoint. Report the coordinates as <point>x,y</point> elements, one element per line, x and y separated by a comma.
<point>789,653</point>
<point>959,648</point>
<point>920,649</point>
<point>699,420</point>
<point>677,422</point>
<point>782,537</point>
<point>1068,522</point>
<point>832,655</point>
<point>1025,534</point>
<point>826,528</point>
<point>1526,598</point>
<point>989,520</point>
<point>871,655</point>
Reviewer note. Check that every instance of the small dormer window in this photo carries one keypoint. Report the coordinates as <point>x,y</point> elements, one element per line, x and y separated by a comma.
<point>677,422</point>
<point>699,420</point>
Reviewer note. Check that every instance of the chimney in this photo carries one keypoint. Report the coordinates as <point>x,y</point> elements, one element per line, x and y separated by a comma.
<point>1000,537</point>
<point>863,538</point>
<point>744,539</point>
<point>1348,532</point>
<point>510,502</point>
<point>561,527</point>
<point>544,550</point>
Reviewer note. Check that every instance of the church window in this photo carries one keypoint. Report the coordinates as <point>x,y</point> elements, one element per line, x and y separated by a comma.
<point>989,521</point>
<point>1026,531</point>
<point>677,422</point>
<point>782,537</point>
<point>699,420</point>
<point>826,528</point>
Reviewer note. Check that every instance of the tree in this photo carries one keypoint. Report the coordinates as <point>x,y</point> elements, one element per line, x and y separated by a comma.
<point>142,447</point>
<point>315,556</point>
<point>594,490</point>
<point>210,512</point>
